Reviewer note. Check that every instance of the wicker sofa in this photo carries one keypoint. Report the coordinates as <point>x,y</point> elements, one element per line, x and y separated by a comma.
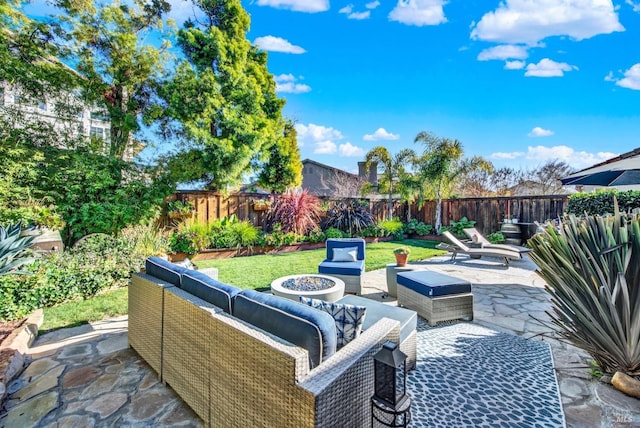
<point>234,374</point>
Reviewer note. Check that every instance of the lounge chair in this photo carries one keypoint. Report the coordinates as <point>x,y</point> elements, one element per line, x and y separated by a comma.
<point>458,247</point>
<point>473,232</point>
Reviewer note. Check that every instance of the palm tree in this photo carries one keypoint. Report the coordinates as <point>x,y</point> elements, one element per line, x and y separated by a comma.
<point>440,165</point>
<point>393,170</point>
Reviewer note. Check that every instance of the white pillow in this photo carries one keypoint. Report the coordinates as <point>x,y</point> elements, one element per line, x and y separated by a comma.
<point>347,254</point>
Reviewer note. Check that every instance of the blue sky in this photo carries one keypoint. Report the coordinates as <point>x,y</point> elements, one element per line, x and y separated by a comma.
<point>519,82</point>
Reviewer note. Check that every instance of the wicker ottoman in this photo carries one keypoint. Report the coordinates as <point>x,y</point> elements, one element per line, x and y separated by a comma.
<point>435,296</point>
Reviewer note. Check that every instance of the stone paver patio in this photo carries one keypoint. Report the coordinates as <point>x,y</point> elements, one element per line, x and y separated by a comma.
<point>87,376</point>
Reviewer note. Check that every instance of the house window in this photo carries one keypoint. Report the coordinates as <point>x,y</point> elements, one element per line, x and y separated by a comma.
<point>100,115</point>
<point>96,132</point>
<point>42,105</point>
<point>310,170</point>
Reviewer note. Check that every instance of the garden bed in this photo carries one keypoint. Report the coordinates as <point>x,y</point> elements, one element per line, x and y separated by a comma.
<point>225,253</point>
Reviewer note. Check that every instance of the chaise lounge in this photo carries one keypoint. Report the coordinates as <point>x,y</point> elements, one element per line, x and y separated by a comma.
<point>476,236</point>
<point>459,247</point>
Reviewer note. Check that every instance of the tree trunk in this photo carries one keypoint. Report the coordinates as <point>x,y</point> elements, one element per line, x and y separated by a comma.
<point>390,206</point>
<point>438,215</point>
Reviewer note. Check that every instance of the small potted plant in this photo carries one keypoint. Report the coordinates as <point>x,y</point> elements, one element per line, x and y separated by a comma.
<point>179,209</point>
<point>261,204</point>
<point>402,254</point>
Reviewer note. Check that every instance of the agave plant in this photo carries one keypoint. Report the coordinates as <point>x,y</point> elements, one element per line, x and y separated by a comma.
<point>591,266</point>
<point>14,252</point>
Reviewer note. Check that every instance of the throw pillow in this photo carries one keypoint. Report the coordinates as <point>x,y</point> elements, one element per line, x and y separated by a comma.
<point>347,254</point>
<point>348,318</point>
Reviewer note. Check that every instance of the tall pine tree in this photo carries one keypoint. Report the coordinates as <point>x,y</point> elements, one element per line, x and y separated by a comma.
<point>222,100</point>
<point>284,168</point>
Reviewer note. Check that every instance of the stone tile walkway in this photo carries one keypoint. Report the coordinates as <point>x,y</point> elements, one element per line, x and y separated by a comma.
<point>87,376</point>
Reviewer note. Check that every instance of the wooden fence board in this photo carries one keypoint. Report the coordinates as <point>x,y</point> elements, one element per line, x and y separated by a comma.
<point>487,212</point>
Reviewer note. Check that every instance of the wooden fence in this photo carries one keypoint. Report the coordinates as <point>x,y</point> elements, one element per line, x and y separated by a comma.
<point>487,212</point>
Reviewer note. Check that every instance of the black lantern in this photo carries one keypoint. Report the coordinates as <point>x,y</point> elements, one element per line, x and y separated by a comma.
<point>390,375</point>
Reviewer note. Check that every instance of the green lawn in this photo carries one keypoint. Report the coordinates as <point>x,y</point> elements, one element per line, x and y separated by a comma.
<point>255,272</point>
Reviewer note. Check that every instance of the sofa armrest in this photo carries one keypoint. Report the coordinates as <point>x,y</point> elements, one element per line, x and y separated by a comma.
<point>344,384</point>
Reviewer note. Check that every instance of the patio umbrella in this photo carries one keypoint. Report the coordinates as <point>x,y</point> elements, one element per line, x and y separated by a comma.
<point>622,177</point>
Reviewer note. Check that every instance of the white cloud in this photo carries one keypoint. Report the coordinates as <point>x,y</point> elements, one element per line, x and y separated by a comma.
<point>418,12</point>
<point>310,6</point>
<point>286,83</point>
<point>548,68</point>
<point>325,148</point>
<point>349,150</point>
<point>577,159</point>
<point>504,52</point>
<point>631,79</point>
<point>277,44</point>
<point>321,137</point>
<point>514,65</point>
<point>635,5</point>
<point>347,9</point>
<point>540,132</point>
<point>380,134</point>
<point>372,5</point>
<point>360,15</point>
<point>541,154</point>
<point>506,155</point>
<point>528,22</point>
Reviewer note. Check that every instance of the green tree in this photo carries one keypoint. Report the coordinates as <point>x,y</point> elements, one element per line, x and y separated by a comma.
<point>119,68</point>
<point>284,168</point>
<point>440,165</point>
<point>393,170</point>
<point>221,102</point>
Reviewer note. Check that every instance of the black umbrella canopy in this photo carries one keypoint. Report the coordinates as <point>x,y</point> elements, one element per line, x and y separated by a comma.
<point>623,177</point>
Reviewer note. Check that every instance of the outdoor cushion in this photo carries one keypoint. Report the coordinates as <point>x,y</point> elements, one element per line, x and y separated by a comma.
<point>209,290</point>
<point>332,243</point>
<point>433,284</point>
<point>347,254</point>
<point>348,318</point>
<point>377,310</point>
<point>328,267</point>
<point>301,325</point>
<point>164,270</point>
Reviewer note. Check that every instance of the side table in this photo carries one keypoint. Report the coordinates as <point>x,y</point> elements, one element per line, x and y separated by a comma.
<point>392,275</point>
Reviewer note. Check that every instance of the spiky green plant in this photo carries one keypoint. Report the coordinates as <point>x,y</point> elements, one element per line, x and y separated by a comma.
<point>592,268</point>
<point>14,249</point>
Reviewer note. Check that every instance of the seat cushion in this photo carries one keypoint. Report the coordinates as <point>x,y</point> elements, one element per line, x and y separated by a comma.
<point>377,310</point>
<point>164,270</point>
<point>329,267</point>
<point>294,322</point>
<point>209,289</point>
<point>348,318</point>
<point>433,284</point>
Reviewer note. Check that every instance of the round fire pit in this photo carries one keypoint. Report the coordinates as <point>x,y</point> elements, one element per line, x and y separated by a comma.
<point>314,286</point>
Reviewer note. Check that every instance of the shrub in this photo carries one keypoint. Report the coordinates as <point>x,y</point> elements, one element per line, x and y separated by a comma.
<point>316,235</point>
<point>457,227</point>
<point>333,233</point>
<point>278,238</point>
<point>350,216</point>
<point>98,262</point>
<point>496,238</point>
<point>600,203</point>
<point>373,231</point>
<point>296,211</point>
<point>592,269</point>
<point>392,228</point>
<point>416,227</point>
<point>182,242</point>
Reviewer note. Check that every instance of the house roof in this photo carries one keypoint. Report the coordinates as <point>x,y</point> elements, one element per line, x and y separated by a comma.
<point>632,154</point>
<point>338,170</point>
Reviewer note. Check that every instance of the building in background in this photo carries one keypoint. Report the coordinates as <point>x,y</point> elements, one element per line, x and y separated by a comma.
<point>324,180</point>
